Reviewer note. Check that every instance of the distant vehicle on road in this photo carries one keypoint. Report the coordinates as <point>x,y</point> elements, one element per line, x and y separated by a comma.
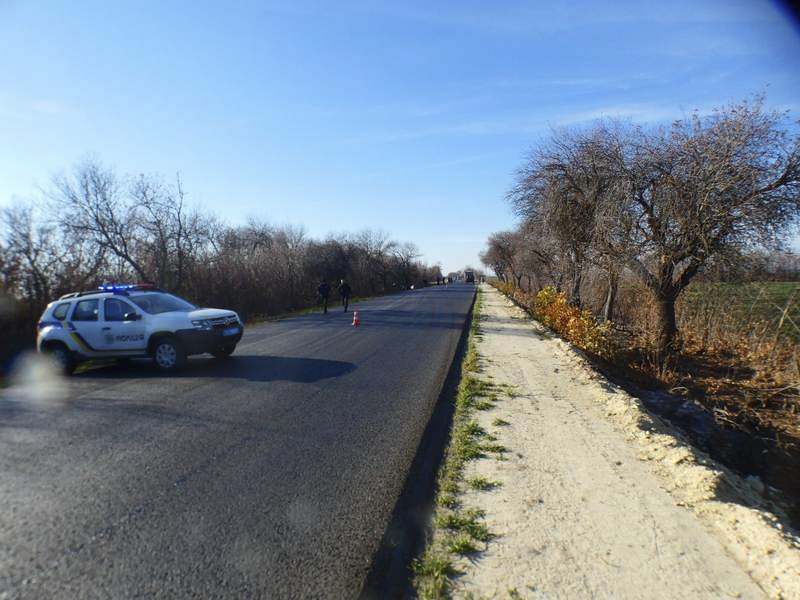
<point>134,321</point>
<point>469,276</point>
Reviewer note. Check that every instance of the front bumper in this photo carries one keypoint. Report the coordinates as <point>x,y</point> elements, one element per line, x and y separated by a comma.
<point>200,341</point>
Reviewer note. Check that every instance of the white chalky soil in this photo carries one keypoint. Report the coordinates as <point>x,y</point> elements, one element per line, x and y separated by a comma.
<point>597,499</point>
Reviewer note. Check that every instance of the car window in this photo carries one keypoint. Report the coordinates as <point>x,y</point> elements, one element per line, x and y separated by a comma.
<point>60,311</point>
<point>85,310</point>
<point>116,309</point>
<point>156,303</point>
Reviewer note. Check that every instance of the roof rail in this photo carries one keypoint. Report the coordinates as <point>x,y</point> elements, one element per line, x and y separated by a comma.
<point>119,292</point>
<point>79,294</point>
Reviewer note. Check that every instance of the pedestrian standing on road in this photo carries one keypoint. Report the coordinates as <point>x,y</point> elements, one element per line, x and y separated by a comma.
<point>324,291</point>
<point>344,292</point>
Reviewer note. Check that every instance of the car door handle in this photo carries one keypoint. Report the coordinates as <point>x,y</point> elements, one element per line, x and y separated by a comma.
<point>106,328</point>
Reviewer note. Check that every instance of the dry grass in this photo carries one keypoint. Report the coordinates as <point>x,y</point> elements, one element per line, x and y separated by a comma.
<point>739,347</point>
<point>739,354</point>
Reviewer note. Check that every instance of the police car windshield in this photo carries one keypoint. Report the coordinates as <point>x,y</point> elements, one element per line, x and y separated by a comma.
<point>155,303</point>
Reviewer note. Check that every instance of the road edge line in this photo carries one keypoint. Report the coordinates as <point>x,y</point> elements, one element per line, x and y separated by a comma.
<point>406,535</point>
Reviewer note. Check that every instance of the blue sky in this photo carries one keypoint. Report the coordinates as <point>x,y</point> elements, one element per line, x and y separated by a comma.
<point>406,116</point>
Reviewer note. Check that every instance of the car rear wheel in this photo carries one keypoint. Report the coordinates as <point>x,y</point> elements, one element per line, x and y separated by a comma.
<point>168,354</point>
<point>223,352</point>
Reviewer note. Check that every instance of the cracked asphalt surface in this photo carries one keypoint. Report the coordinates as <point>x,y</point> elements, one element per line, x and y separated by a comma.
<point>271,475</point>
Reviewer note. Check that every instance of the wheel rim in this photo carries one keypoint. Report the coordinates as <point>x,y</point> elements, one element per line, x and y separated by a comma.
<point>166,355</point>
<point>60,356</point>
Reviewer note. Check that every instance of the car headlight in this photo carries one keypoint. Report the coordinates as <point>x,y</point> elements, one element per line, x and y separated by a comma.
<point>202,324</point>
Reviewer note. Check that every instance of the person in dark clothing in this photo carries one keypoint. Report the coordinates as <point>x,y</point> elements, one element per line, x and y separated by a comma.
<point>324,291</point>
<point>344,292</point>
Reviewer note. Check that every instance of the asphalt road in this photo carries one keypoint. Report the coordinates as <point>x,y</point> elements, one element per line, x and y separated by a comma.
<point>272,475</point>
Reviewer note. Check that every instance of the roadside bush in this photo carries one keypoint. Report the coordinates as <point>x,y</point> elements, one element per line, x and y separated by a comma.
<point>580,327</point>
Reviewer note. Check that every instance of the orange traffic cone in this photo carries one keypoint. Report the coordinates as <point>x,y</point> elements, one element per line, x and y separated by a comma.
<point>356,319</point>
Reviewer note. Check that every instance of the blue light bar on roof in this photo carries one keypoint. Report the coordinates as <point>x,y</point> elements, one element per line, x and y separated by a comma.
<point>117,287</point>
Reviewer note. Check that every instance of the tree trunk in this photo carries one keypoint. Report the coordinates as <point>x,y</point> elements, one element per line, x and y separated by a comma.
<point>611,296</point>
<point>519,280</point>
<point>667,329</point>
<point>575,292</point>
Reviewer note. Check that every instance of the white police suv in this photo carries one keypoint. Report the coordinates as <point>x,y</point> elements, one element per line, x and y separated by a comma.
<point>132,321</point>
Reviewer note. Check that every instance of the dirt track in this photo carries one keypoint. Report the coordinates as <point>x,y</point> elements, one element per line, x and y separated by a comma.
<point>600,500</point>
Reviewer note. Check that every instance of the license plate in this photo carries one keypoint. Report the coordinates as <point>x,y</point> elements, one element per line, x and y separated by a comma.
<point>231,331</point>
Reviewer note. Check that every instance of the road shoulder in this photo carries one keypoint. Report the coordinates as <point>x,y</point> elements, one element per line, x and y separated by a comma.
<point>592,496</point>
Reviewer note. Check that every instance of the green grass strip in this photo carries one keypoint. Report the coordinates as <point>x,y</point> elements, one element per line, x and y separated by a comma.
<point>457,531</point>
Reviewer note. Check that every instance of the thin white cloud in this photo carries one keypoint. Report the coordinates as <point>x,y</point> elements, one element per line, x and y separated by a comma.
<point>22,109</point>
<point>528,17</point>
<point>525,125</point>
<point>466,128</point>
<point>430,166</point>
<point>639,113</point>
<point>48,107</point>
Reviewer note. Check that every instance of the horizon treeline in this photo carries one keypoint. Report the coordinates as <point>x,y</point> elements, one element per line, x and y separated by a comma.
<point>94,225</point>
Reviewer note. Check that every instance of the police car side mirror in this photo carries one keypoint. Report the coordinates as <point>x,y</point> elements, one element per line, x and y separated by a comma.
<point>131,316</point>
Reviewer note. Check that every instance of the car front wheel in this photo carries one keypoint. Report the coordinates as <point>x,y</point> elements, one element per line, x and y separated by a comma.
<point>168,355</point>
<point>62,357</point>
<point>223,351</point>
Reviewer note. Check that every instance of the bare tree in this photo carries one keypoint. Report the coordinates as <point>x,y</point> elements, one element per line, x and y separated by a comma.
<point>45,261</point>
<point>93,206</point>
<point>664,204</point>
<point>8,268</point>
<point>702,188</point>
<point>493,258</point>
<point>378,249</point>
<point>540,256</point>
<point>561,187</point>
<point>504,255</point>
<point>405,255</point>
